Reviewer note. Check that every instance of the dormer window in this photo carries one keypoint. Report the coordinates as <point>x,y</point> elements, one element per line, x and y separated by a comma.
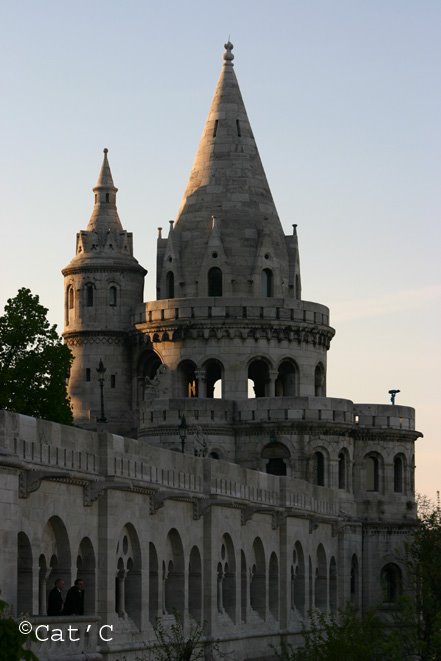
<point>215,282</point>
<point>267,283</point>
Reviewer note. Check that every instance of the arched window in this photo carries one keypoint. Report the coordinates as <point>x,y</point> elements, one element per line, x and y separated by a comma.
<point>89,295</point>
<point>258,372</point>
<point>86,566</point>
<point>243,587</point>
<point>267,283</point>
<point>287,382</point>
<point>319,469</point>
<point>128,575</point>
<point>226,578</point>
<point>213,376</point>
<point>188,385</point>
<point>319,381</point>
<point>170,285</point>
<point>342,470</point>
<point>70,298</point>
<point>153,584</point>
<point>215,281</point>
<point>398,474</point>
<point>112,295</point>
<point>273,586</point>
<point>333,585</point>
<point>391,583</point>
<point>195,585</point>
<point>24,575</point>
<point>258,579</point>
<point>174,574</point>
<point>372,473</point>
<point>298,579</point>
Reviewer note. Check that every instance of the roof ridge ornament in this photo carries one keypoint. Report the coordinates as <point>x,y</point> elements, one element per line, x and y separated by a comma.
<point>228,55</point>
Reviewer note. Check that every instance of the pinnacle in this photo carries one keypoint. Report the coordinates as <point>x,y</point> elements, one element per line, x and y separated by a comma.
<point>105,179</point>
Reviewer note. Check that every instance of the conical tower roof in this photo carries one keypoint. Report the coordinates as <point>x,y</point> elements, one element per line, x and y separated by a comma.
<point>227,181</point>
<point>105,215</point>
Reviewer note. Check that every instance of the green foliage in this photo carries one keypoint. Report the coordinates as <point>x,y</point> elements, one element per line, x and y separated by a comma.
<point>175,644</point>
<point>34,361</point>
<point>352,638</point>
<point>424,562</point>
<point>11,640</point>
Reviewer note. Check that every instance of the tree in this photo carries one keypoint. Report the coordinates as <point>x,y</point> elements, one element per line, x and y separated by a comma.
<point>12,641</point>
<point>34,361</point>
<point>424,554</point>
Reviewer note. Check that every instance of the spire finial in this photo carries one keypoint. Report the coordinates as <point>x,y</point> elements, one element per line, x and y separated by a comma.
<point>105,150</point>
<point>228,55</point>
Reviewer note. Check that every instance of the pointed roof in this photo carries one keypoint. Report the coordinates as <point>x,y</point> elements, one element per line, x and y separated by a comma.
<point>105,179</point>
<point>227,181</point>
<point>104,216</point>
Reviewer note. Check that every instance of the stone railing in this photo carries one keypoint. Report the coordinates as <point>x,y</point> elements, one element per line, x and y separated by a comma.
<point>72,638</point>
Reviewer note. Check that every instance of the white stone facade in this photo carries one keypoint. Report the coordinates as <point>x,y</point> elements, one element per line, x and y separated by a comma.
<point>267,506</point>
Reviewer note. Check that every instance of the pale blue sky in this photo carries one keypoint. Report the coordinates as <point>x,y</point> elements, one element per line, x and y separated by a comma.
<point>345,102</point>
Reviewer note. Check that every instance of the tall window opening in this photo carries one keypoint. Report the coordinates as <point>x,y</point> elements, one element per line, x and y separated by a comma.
<point>398,474</point>
<point>153,584</point>
<point>258,579</point>
<point>319,381</point>
<point>354,581</point>
<point>243,587</point>
<point>89,295</point>
<point>342,470</point>
<point>215,281</point>
<point>320,592</point>
<point>112,295</point>
<point>333,585</point>
<point>195,585</point>
<point>319,468</point>
<point>24,575</point>
<point>391,583</point>
<point>258,373</point>
<point>277,456</point>
<point>238,128</point>
<point>298,579</point>
<point>71,298</point>
<point>273,586</point>
<point>372,473</point>
<point>287,382</point>
<point>174,578</point>
<point>213,375</point>
<point>188,385</point>
<point>267,283</point>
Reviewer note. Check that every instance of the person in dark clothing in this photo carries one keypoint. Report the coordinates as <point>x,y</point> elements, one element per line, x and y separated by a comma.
<point>55,598</point>
<point>74,604</point>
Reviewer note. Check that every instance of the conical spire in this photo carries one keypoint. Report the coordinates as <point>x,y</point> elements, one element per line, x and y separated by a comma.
<point>227,181</point>
<point>105,217</point>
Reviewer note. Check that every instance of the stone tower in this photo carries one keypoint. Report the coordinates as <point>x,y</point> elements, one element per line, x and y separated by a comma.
<point>230,319</point>
<point>103,284</point>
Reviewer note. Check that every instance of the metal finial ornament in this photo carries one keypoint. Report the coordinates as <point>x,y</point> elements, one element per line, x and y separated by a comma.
<point>105,150</point>
<point>228,55</point>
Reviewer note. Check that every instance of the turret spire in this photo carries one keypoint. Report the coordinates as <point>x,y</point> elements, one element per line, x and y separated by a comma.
<point>105,215</point>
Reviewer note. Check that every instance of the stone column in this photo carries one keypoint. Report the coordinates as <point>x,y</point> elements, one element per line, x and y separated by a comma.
<point>201,376</point>
<point>273,374</point>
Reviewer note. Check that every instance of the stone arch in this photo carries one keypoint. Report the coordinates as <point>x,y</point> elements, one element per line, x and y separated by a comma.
<point>214,281</point>
<point>187,382</point>
<point>320,586</point>
<point>174,577</point>
<point>298,579</point>
<point>128,574</point>
<point>195,585</point>
<point>226,578</point>
<point>287,381</point>
<point>149,363</point>
<point>391,583</point>
<point>55,560</point>
<point>258,579</point>
<point>153,584</point>
<point>259,374</point>
<point>24,575</point>
<point>333,585</point>
<point>354,582</point>
<point>399,473</point>
<point>320,380</point>
<point>214,378</point>
<point>277,456</point>
<point>273,586</point>
<point>86,569</point>
<point>310,584</point>
<point>267,283</point>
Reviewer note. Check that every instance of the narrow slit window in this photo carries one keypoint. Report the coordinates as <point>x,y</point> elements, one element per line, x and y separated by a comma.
<point>107,197</point>
<point>113,380</point>
<point>87,373</point>
<point>238,128</point>
<point>215,127</point>
<point>112,296</point>
<point>89,296</point>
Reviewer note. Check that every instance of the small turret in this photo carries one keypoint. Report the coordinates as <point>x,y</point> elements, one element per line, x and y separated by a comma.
<point>103,285</point>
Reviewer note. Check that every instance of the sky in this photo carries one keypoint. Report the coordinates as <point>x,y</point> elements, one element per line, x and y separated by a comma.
<point>344,98</point>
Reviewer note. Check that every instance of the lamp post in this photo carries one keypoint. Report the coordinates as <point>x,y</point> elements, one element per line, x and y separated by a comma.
<point>182,429</point>
<point>101,371</point>
<point>393,393</point>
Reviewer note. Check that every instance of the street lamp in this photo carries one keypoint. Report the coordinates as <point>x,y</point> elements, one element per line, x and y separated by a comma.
<point>101,371</point>
<point>393,394</point>
<point>182,429</point>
